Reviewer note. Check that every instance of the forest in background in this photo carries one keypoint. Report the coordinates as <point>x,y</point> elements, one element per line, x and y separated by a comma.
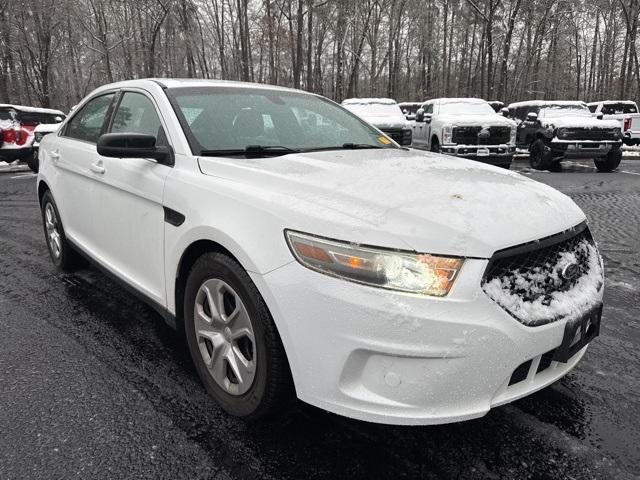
<point>54,52</point>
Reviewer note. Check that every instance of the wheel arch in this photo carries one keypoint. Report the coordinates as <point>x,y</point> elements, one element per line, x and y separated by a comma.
<point>42,189</point>
<point>188,258</point>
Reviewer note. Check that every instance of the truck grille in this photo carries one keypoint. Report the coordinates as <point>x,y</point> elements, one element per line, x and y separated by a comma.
<point>471,135</point>
<point>398,136</point>
<point>591,134</point>
<point>534,282</point>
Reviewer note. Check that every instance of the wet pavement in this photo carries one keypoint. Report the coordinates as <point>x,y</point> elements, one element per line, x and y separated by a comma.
<point>94,385</point>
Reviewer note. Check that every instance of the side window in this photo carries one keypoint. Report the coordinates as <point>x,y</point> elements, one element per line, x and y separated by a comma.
<point>592,108</point>
<point>428,108</point>
<point>87,123</point>
<point>137,114</point>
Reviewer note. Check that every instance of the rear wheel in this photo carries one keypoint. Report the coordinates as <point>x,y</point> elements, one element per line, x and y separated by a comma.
<point>540,156</point>
<point>32,161</point>
<point>233,341</point>
<point>610,162</point>
<point>62,253</point>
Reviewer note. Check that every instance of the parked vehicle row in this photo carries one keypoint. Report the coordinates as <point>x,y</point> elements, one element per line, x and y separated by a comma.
<point>302,251</point>
<point>18,126</point>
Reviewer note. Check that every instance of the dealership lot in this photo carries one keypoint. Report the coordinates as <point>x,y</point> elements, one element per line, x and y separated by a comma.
<point>95,385</point>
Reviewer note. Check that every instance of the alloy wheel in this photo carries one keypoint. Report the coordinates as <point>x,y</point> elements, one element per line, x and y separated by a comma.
<point>53,231</point>
<point>225,336</point>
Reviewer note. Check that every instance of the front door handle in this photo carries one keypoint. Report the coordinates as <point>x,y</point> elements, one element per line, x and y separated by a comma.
<point>97,167</point>
<point>55,156</point>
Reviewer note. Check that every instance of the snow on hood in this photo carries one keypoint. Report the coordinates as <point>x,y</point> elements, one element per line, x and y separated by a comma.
<point>380,112</point>
<point>578,121</point>
<point>402,199</point>
<point>476,120</point>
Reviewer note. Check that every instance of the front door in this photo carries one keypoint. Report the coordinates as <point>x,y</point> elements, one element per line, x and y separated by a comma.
<point>129,216</point>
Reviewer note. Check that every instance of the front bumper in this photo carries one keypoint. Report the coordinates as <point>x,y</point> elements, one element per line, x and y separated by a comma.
<point>493,154</point>
<point>395,358</point>
<point>584,148</point>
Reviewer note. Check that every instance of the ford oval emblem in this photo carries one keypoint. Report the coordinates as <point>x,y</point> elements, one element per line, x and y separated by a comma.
<point>569,271</point>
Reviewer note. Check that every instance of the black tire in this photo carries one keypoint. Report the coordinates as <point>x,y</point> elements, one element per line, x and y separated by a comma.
<point>272,387</point>
<point>65,257</point>
<point>33,162</point>
<point>540,156</point>
<point>555,166</point>
<point>435,145</point>
<point>610,162</point>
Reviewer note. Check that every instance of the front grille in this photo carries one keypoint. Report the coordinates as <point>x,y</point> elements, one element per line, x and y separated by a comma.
<point>535,283</point>
<point>590,134</point>
<point>400,136</point>
<point>480,136</point>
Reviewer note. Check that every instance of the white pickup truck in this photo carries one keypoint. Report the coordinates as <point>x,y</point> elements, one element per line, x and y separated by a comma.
<point>625,112</point>
<point>465,127</point>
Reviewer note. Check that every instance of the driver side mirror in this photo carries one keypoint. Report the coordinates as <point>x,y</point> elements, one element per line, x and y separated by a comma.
<point>599,116</point>
<point>420,115</point>
<point>133,145</point>
<point>504,112</point>
<point>532,116</point>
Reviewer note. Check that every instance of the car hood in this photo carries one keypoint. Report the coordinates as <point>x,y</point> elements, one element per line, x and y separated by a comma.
<point>475,120</point>
<point>579,122</point>
<point>385,121</point>
<point>402,199</point>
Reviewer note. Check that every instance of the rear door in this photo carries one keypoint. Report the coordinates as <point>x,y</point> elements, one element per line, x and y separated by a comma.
<point>73,155</point>
<point>128,211</point>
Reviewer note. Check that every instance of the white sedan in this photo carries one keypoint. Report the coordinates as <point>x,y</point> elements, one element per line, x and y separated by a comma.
<point>300,250</point>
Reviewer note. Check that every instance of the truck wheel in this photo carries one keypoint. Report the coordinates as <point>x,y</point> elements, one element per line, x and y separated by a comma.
<point>540,156</point>
<point>233,341</point>
<point>32,162</point>
<point>610,162</point>
<point>435,145</point>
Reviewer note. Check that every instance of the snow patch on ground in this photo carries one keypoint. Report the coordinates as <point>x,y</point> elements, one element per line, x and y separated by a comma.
<point>560,304</point>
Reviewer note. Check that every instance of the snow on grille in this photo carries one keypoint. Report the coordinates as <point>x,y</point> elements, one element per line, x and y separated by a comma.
<point>532,288</point>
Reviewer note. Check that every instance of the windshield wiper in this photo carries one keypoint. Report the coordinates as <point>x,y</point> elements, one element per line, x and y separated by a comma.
<point>344,146</point>
<point>250,150</point>
<point>356,146</point>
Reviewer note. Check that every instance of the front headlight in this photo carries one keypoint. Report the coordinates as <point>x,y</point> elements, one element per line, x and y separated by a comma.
<point>446,135</point>
<point>561,133</point>
<point>514,131</point>
<point>402,271</point>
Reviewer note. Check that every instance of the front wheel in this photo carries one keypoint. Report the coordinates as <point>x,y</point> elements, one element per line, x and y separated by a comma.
<point>435,145</point>
<point>540,156</point>
<point>610,162</point>
<point>233,340</point>
<point>33,162</point>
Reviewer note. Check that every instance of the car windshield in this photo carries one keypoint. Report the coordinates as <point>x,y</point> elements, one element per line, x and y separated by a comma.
<point>227,120</point>
<point>618,108</point>
<point>466,108</point>
<point>565,110</point>
<point>5,114</point>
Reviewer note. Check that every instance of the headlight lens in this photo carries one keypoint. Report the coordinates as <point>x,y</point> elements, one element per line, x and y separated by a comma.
<point>561,133</point>
<point>446,135</point>
<point>402,271</point>
<point>514,131</point>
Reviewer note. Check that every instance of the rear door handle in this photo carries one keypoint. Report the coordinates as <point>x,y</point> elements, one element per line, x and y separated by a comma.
<point>97,167</point>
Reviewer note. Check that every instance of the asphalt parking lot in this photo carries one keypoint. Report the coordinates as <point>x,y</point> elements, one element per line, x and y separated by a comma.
<point>94,385</point>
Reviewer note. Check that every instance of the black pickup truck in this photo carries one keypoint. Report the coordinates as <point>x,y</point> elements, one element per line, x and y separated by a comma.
<point>557,130</point>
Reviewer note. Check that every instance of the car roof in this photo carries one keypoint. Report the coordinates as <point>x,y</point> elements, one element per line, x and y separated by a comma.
<point>542,103</point>
<point>194,82</point>
<point>457,100</point>
<point>369,101</point>
<point>613,102</point>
